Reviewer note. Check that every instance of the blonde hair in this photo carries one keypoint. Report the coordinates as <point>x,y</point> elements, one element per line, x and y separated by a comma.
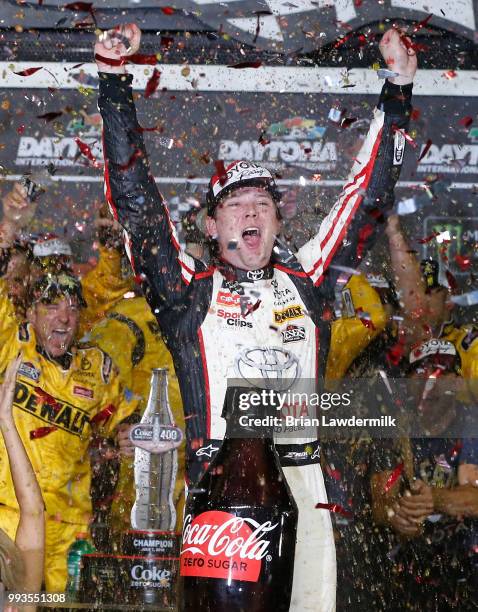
<point>12,569</point>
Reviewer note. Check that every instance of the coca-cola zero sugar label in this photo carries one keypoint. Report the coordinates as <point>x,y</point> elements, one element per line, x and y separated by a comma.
<point>218,544</point>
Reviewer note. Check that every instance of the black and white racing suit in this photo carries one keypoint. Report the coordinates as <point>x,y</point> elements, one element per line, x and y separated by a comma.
<point>210,334</point>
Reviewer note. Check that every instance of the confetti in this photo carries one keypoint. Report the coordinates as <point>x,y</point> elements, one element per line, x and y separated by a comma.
<point>221,171</point>
<point>86,151</point>
<point>82,7</point>
<point>466,121</point>
<point>394,476</point>
<point>450,74</point>
<point>138,153</point>
<point>422,24</point>
<point>428,238</point>
<point>41,432</point>
<point>407,137</point>
<point>50,116</point>
<point>465,299</point>
<point>152,84</point>
<point>463,263</point>
<point>384,73</point>
<point>167,10</point>
<point>48,399</point>
<point>337,508</point>
<point>245,65</point>
<point>104,414</point>
<point>28,71</point>
<point>426,148</point>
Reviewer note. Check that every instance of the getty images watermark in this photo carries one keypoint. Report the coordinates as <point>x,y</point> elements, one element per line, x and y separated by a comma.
<point>295,411</point>
<point>377,407</point>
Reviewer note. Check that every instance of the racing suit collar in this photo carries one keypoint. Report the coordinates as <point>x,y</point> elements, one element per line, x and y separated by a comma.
<point>231,273</point>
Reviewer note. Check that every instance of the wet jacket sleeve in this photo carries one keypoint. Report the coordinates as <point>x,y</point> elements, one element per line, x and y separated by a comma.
<point>131,192</point>
<point>352,225</point>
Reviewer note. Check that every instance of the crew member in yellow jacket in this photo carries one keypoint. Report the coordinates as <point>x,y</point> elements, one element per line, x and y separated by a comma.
<point>363,318</point>
<point>64,393</point>
<point>127,330</point>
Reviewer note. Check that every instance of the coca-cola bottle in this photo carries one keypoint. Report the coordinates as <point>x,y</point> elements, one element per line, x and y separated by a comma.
<point>240,523</point>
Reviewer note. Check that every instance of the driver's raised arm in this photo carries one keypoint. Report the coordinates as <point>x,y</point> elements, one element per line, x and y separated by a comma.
<point>351,226</point>
<point>130,188</point>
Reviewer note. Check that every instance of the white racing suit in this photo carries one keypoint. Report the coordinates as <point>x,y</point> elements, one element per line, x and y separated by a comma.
<point>220,322</point>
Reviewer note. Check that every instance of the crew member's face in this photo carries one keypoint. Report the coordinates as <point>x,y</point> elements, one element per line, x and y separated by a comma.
<point>245,226</point>
<point>55,324</point>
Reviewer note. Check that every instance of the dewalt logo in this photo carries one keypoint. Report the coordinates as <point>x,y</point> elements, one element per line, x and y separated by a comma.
<point>63,415</point>
<point>286,314</point>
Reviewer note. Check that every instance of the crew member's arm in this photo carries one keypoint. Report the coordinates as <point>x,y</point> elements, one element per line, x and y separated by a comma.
<point>352,225</point>
<point>18,211</point>
<point>102,287</point>
<point>131,191</point>
<point>354,331</point>
<point>30,536</point>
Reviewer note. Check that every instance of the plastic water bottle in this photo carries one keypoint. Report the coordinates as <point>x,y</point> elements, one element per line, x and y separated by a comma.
<point>80,547</point>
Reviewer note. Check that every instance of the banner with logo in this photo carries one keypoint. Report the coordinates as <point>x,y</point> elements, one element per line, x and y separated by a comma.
<point>56,135</point>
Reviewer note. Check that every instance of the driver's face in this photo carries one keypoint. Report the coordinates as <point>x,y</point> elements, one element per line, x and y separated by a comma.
<point>245,226</point>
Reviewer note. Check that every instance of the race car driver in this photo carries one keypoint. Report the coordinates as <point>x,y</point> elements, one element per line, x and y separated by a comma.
<point>256,311</point>
<point>63,393</point>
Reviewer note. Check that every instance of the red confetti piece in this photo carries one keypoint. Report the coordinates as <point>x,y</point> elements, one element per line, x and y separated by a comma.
<point>466,121</point>
<point>451,280</point>
<point>407,137</point>
<point>104,415</point>
<point>85,7</point>
<point>364,234</point>
<point>20,129</point>
<point>142,58</point>
<point>252,308</point>
<point>110,61</point>
<point>428,238</point>
<point>426,148</point>
<point>415,114</point>
<point>86,151</point>
<point>166,41</point>
<point>28,71</point>
<point>463,263</point>
<point>41,432</point>
<point>422,24</point>
<point>335,474</point>
<point>221,171</point>
<point>342,40</point>
<point>132,159</point>
<point>157,128</point>
<point>395,353</point>
<point>46,398</point>
<point>450,74</point>
<point>456,449</point>
<point>337,508</point>
<point>168,10</point>
<point>152,84</point>
<point>50,116</point>
<point>347,122</point>
<point>364,318</point>
<point>394,476</point>
<point>245,65</point>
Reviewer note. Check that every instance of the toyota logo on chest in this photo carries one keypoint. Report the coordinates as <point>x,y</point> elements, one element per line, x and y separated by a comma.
<point>255,275</point>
